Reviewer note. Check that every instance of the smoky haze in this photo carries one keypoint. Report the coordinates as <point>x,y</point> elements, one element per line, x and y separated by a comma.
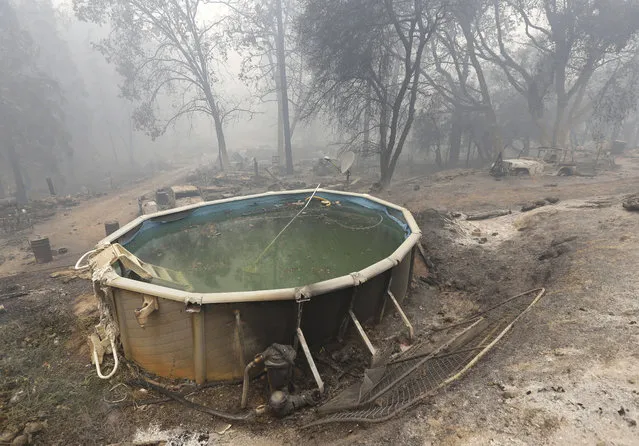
<point>94,90</point>
<point>96,136</point>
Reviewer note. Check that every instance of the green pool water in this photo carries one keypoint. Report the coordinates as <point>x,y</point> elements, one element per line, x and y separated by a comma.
<point>322,243</point>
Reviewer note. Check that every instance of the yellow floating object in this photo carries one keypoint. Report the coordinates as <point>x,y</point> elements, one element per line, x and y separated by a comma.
<point>322,200</point>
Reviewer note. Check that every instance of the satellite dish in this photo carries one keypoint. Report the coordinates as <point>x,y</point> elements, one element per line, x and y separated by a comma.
<point>346,160</point>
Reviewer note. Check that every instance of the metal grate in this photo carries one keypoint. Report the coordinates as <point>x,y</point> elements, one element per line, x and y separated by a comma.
<point>420,371</point>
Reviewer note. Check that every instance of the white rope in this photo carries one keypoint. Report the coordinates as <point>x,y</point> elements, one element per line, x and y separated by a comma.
<point>357,228</point>
<point>287,225</point>
<point>115,358</point>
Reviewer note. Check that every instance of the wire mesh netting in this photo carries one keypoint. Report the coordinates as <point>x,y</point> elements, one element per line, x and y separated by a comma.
<point>417,373</point>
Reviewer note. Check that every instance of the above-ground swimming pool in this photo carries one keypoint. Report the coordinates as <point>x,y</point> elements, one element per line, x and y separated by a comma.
<point>196,292</point>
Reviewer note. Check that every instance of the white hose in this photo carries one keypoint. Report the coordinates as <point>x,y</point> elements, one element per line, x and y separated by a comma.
<point>115,358</point>
<point>84,256</point>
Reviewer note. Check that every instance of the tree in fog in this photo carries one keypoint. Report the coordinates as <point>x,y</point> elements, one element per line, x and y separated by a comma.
<point>460,78</point>
<point>517,128</point>
<point>270,63</point>
<point>432,122</point>
<point>44,24</point>
<point>615,101</point>
<point>31,115</point>
<point>565,44</point>
<point>165,48</point>
<point>369,54</point>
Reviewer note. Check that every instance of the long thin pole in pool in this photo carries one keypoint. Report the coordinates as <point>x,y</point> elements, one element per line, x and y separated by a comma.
<point>287,225</point>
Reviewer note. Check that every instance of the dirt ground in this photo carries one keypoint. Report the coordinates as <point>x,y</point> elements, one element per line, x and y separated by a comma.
<point>78,228</point>
<point>568,372</point>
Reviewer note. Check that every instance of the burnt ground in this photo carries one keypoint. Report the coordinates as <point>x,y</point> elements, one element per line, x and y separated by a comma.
<point>568,372</point>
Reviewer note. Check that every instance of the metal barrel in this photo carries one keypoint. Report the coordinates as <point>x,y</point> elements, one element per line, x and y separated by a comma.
<point>41,250</point>
<point>163,198</point>
<point>111,226</point>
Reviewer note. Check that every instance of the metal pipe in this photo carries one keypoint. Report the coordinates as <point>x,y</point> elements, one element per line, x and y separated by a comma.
<point>410,221</point>
<point>377,268</point>
<point>406,247</point>
<point>110,278</point>
<point>245,385</point>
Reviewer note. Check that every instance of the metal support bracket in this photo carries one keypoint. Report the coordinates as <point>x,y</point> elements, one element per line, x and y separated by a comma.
<point>191,307</point>
<point>298,325</point>
<point>311,362</point>
<point>239,334</point>
<point>411,331</point>
<point>149,305</point>
<point>301,296</point>
<point>362,333</point>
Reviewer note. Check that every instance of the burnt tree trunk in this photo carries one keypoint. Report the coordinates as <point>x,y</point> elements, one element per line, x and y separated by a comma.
<point>21,190</point>
<point>526,150</point>
<point>367,121</point>
<point>455,138</point>
<point>221,142</point>
<point>281,65</point>
<point>280,124</point>
<point>132,161</point>
<point>635,138</point>
<point>438,155</point>
<point>219,129</point>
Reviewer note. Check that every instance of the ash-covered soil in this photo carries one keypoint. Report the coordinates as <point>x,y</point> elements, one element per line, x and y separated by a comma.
<point>568,372</point>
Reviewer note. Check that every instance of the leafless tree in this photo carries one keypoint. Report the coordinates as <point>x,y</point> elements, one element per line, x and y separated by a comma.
<point>565,44</point>
<point>272,63</point>
<point>458,76</point>
<point>166,47</point>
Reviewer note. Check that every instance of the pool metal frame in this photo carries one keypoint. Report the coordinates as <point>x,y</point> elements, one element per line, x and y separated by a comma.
<point>110,287</point>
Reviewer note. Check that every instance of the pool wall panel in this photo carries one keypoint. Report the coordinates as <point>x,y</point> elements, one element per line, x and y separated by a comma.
<point>164,346</point>
<point>369,298</point>
<point>401,277</point>
<point>323,315</point>
<point>222,349</point>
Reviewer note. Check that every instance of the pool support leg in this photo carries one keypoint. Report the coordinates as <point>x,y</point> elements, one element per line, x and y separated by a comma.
<point>311,362</point>
<point>411,332</point>
<point>362,333</point>
<point>199,347</point>
<point>299,299</point>
<point>382,309</point>
<point>240,338</point>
